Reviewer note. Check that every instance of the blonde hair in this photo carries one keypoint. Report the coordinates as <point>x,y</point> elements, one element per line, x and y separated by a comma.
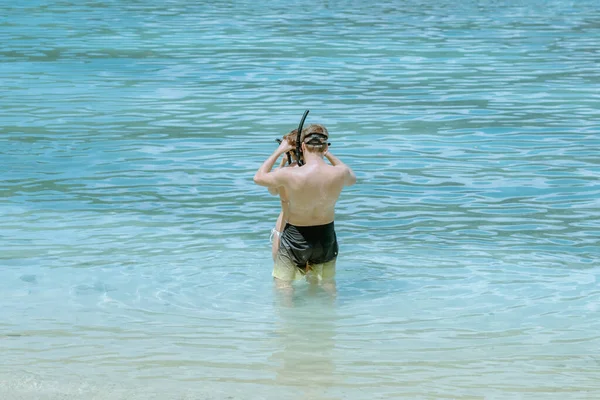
<point>291,137</point>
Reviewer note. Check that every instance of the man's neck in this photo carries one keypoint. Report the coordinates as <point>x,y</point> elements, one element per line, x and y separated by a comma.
<point>312,158</point>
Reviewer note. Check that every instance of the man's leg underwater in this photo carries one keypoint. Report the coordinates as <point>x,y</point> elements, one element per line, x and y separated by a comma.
<point>323,275</point>
<point>284,271</point>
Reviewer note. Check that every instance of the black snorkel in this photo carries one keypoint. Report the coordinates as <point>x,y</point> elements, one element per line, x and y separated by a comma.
<point>298,144</point>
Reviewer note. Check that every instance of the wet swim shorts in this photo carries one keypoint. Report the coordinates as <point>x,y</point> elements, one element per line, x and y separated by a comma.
<point>306,249</point>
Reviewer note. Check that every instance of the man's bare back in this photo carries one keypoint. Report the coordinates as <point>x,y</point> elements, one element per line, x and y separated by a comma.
<point>312,192</point>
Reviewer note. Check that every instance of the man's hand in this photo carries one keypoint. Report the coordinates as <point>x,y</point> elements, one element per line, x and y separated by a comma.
<point>284,147</point>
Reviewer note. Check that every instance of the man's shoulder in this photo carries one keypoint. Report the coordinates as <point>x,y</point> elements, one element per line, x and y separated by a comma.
<point>339,170</point>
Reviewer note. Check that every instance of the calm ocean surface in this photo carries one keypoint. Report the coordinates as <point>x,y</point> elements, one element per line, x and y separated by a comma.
<point>134,252</point>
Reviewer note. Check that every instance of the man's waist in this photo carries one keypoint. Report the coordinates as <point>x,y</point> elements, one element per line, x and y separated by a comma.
<point>309,219</point>
<point>315,226</point>
<point>312,222</point>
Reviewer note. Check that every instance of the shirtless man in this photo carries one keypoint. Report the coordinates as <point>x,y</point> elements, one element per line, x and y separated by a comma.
<point>308,244</point>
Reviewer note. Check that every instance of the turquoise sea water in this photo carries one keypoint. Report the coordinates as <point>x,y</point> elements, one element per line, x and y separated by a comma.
<point>134,253</point>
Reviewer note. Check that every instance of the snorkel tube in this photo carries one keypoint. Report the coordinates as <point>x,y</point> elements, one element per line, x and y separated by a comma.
<point>298,144</point>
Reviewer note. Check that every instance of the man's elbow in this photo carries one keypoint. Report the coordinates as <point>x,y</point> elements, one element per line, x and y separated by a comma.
<point>262,179</point>
<point>258,179</point>
<point>350,178</point>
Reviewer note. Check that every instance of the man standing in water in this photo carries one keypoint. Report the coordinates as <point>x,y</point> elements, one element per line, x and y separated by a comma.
<point>308,244</point>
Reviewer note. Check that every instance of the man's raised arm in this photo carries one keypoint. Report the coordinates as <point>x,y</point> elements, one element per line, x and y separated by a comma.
<point>350,178</point>
<point>273,190</point>
<point>264,176</point>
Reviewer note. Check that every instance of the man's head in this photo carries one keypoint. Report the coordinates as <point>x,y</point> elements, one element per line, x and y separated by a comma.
<point>314,138</point>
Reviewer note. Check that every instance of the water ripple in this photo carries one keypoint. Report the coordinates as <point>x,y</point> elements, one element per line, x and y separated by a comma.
<point>134,244</point>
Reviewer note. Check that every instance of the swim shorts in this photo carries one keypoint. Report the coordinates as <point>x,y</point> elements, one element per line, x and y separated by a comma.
<point>305,249</point>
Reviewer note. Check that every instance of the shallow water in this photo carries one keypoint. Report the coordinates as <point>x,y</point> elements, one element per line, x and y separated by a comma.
<point>134,252</point>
